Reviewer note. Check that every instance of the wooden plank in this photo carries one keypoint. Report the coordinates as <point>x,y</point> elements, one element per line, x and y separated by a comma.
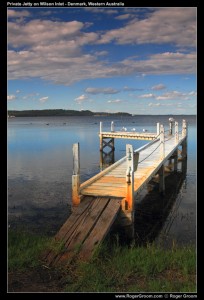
<point>106,193</point>
<point>100,190</point>
<point>118,175</point>
<point>93,213</point>
<point>101,174</point>
<point>101,229</point>
<point>84,205</point>
<point>71,224</point>
<point>129,135</point>
<point>111,178</point>
<point>103,185</point>
<point>83,230</point>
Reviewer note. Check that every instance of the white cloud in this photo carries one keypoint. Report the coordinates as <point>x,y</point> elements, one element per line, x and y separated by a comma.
<point>164,25</point>
<point>154,104</point>
<point>129,89</point>
<point>55,54</point>
<point>62,66</point>
<point>115,101</point>
<point>158,87</point>
<point>11,97</point>
<point>164,104</point>
<point>17,13</point>
<point>163,63</point>
<point>31,96</point>
<point>43,99</point>
<point>101,91</point>
<point>81,99</point>
<point>123,17</point>
<point>172,95</point>
<point>193,93</point>
<point>147,96</point>
<point>49,32</point>
<point>101,53</point>
<point>18,91</point>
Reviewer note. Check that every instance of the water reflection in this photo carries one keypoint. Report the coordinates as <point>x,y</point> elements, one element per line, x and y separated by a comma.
<point>155,214</point>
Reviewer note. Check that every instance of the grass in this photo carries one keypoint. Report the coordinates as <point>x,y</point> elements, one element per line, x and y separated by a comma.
<point>115,269</point>
<point>137,269</point>
<point>26,249</point>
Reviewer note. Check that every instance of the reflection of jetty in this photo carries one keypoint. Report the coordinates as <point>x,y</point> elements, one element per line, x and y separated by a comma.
<point>110,194</point>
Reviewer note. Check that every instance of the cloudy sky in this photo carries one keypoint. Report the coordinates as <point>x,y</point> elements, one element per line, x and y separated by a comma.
<point>136,60</point>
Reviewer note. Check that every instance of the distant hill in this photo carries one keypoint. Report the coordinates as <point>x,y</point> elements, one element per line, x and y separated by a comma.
<point>59,112</point>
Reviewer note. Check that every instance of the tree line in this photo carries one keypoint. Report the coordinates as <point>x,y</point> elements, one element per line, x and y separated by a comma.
<point>59,112</point>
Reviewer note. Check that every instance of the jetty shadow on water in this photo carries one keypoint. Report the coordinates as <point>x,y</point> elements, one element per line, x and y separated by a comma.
<point>154,212</point>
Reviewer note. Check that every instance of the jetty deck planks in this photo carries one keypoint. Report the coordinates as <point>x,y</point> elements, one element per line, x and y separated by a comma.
<point>85,229</point>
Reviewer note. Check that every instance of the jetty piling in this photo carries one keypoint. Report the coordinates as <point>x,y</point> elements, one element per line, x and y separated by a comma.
<point>76,176</point>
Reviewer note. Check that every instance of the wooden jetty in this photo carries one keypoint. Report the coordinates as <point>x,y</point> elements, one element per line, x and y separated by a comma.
<point>111,193</point>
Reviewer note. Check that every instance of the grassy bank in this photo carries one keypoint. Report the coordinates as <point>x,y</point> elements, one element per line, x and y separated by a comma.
<point>119,269</point>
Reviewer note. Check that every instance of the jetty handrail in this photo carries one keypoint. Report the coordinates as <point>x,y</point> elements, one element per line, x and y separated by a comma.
<point>146,145</point>
<point>156,139</point>
<point>119,131</point>
<point>150,154</point>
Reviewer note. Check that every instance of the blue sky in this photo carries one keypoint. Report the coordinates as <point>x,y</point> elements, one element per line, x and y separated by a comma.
<point>136,60</point>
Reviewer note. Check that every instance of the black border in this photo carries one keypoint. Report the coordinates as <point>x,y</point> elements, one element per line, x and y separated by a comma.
<point>3,118</point>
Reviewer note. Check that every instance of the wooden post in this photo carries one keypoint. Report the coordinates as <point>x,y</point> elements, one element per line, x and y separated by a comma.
<point>76,175</point>
<point>127,212</point>
<point>176,133</point>
<point>136,160</point>
<point>162,146</point>
<point>184,143</point>
<point>158,128</point>
<point>184,166</point>
<point>184,149</point>
<point>161,180</point>
<point>101,142</point>
<point>113,144</point>
<point>176,160</point>
<point>112,126</point>
<point>101,127</point>
<point>101,161</point>
<point>101,136</point>
<point>170,127</point>
<point>184,128</point>
<point>130,177</point>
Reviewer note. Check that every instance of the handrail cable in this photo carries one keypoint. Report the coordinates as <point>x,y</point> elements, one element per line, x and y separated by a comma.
<point>150,153</point>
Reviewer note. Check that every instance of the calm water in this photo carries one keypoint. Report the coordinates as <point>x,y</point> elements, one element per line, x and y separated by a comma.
<point>40,170</point>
